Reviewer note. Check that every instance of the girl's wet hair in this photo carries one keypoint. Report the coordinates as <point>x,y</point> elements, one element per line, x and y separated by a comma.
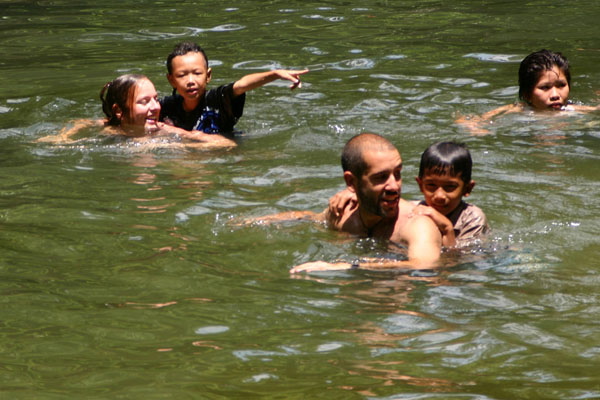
<point>447,157</point>
<point>120,91</point>
<point>534,64</point>
<point>181,49</point>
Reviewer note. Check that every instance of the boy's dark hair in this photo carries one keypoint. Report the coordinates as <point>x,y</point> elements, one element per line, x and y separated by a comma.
<point>181,49</point>
<point>120,91</point>
<point>447,157</point>
<point>534,64</point>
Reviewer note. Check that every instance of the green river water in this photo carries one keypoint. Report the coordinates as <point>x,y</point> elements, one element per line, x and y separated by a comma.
<point>123,274</point>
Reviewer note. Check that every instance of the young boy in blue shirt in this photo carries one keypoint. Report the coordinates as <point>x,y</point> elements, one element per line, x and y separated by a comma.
<point>192,107</point>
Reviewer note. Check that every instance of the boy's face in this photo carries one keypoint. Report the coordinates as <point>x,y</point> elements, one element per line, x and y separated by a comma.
<point>444,192</point>
<point>189,75</point>
<point>551,91</point>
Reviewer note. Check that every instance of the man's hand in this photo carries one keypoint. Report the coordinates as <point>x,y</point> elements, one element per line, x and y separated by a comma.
<point>320,266</point>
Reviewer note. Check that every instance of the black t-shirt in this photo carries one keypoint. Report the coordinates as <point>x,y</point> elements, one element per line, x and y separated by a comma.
<point>218,112</point>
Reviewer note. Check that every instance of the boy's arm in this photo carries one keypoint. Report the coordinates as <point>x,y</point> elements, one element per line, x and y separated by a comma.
<point>339,201</point>
<point>259,79</point>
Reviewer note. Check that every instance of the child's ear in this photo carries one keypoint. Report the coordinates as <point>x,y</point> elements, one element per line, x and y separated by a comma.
<point>208,75</point>
<point>117,112</point>
<point>468,188</point>
<point>351,181</point>
<point>419,182</point>
<point>171,80</point>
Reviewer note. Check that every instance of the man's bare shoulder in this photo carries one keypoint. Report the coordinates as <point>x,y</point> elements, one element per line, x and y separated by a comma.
<point>407,224</point>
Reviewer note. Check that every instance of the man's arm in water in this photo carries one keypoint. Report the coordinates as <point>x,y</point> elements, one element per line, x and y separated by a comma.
<point>424,242</point>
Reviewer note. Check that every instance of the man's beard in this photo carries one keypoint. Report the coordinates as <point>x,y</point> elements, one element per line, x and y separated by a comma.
<point>375,205</point>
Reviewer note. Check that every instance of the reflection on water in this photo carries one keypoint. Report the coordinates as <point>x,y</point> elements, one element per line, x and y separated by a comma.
<point>123,275</point>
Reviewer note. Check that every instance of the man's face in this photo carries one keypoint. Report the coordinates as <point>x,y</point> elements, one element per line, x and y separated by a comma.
<point>379,188</point>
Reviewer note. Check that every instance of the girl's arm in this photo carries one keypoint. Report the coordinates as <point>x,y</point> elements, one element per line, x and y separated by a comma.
<point>475,123</point>
<point>64,136</point>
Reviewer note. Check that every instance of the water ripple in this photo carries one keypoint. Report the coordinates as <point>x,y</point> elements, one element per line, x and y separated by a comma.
<point>257,64</point>
<point>348,65</point>
<point>219,28</point>
<point>499,58</point>
<point>211,330</point>
<point>403,323</point>
<point>533,336</point>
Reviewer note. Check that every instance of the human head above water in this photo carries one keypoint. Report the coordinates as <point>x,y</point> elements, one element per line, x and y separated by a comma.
<point>131,100</point>
<point>117,97</point>
<point>352,155</point>
<point>182,49</point>
<point>447,158</point>
<point>534,65</point>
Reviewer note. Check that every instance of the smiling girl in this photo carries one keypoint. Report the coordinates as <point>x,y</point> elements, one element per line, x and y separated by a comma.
<point>132,110</point>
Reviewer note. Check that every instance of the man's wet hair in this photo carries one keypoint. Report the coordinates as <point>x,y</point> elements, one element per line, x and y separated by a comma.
<point>352,155</point>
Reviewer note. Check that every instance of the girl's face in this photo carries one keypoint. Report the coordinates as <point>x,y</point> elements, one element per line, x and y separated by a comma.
<point>145,109</point>
<point>551,91</point>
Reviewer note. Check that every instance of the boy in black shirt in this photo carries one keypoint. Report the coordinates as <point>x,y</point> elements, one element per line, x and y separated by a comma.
<point>216,110</point>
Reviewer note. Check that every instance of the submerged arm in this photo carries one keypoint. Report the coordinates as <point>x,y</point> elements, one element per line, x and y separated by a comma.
<point>202,139</point>
<point>286,216</point>
<point>424,247</point>
<point>65,134</point>
<point>475,123</point>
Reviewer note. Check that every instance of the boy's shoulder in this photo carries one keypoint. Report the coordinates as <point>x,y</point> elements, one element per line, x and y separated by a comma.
<point>469,221</point>
<point>170,101</point>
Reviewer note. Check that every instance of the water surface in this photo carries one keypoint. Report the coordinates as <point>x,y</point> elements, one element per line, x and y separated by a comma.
<point>123,275</point>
